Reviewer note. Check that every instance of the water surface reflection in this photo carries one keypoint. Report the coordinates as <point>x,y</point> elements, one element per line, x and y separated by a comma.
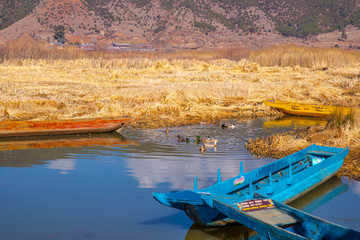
<point>100,187</point>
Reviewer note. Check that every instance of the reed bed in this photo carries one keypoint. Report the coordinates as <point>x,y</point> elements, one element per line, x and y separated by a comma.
<point>315,58</point>
<point>171,89</point>
<point>161,91</point>
<point>30,49</point>
<point>345,134</point>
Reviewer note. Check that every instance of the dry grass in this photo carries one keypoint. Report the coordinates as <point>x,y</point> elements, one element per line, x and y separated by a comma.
<point>171,89</point>
<point>315,58</point>
<point>161,91</point>
<point>31,49</point>
<point>344,135</point>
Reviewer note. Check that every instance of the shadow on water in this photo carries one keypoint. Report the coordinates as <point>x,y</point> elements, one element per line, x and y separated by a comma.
<point>309,202</point>
<point>172,219</point>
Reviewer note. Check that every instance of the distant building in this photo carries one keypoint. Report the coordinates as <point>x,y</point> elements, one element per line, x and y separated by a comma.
<point>88,46</point>
<point>57,44</point>
<point>129,47</point>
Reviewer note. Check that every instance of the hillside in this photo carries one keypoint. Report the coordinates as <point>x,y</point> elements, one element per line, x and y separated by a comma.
<point>181,23</point>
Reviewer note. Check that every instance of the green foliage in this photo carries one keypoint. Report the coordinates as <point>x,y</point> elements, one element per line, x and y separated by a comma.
<point>166,5</point>
<point>141,3</point>
<point>355,18</point>
<point>98,6</point>
<point>12,11</point>
<point>59,33</point>
<point>238,3</point>
<point>299,18</point>
<point>189,4</point>
<point>285,30</point>
<point>159,29</point>
<point>206,27</point>
<point>308,26</point>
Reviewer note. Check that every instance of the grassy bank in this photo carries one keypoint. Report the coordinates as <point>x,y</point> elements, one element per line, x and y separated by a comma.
<point>164,92</point>
<point>339,132</point>
<point>172,89</point>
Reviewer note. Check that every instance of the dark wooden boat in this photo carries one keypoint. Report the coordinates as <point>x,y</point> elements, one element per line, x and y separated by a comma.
<point>62,127</point>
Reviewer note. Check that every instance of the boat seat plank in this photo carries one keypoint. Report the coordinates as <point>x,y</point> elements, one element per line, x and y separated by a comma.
<point>323,153</point>
<point>274,216</point>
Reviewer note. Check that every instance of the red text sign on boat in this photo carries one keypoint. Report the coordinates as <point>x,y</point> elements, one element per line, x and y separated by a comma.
<point>239,180</point>
<point>255,204</point>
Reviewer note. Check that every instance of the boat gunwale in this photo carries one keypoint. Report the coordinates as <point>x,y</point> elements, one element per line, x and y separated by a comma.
<point>272,165</point>
<point>63,127</point>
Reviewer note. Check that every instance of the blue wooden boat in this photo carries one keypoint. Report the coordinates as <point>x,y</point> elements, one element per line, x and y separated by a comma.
<point>277,183</point>
<point>275,220</point>
<point>309,202</point>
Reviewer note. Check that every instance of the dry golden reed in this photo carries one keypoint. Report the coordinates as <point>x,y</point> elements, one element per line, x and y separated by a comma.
<point>31,49</point>
<point>170,89</point>
<point>346,134</point>
<point>162,91</point>
<point>315,58</point>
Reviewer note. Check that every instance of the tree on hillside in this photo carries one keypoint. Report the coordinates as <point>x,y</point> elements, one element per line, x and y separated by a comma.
<point>59,33</point>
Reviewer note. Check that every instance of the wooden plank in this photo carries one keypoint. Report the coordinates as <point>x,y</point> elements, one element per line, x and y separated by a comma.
<point>274,216</point>
<point>269,230</point>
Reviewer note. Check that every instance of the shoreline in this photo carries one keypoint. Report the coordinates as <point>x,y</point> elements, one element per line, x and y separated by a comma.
<point>283,144</point>
<point>175,92</point>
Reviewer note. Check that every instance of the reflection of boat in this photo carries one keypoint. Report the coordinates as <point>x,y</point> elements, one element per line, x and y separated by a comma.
<point>306,109</point>
<point>21,143</point>
<point>292,121</point>
<point>41,148</point>
<point>283,180</point>
<point>60,127</point>
<point>310,201</point>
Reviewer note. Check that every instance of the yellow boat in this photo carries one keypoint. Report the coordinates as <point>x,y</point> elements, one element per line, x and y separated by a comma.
<point>306,109</point>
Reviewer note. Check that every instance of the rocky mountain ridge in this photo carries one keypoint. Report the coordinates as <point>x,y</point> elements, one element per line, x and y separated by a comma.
<point>186,23</point>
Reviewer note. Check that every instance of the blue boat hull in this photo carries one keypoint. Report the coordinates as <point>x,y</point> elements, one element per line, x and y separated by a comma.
<point>307,203</point>
<point>283,180</point>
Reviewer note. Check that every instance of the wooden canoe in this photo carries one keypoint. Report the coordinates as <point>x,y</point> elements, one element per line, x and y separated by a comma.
<point>306,109</point>
<point>283,180</point>
<point>61,127</point>
<point>276,220</point>
<point>309,202</point>
<point>257,199</point>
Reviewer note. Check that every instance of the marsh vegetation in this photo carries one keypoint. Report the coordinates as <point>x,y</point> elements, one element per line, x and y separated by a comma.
<point>172,89</point>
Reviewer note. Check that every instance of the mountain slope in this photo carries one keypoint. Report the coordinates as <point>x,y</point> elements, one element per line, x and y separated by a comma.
<point>192,22</point>
<point>14,10</point>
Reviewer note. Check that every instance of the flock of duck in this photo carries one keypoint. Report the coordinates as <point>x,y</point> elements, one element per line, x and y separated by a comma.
<point>206,141</point>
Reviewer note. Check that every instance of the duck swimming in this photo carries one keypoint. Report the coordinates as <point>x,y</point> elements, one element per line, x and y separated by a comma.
<point>202,149</point>
<point>228,125</point>
<point>182,139</point>
<point>208,141</point>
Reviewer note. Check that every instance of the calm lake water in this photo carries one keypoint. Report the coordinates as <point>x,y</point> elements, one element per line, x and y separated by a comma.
<point>100,187</point>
